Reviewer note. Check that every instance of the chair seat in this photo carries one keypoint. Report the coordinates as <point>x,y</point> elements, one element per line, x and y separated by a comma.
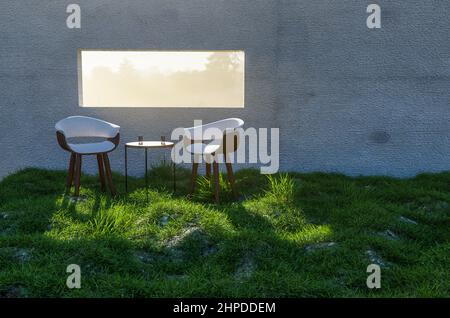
<point>201,148</point>
<point>92,148</point>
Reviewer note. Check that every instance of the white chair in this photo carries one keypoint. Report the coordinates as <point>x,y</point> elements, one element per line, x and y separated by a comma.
<point>209,141</point>
<point>81,126</point>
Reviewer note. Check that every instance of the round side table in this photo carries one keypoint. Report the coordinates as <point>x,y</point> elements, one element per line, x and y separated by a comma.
<point>147,145</point>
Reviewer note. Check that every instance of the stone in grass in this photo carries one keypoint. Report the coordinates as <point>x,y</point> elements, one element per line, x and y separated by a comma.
<point>8,230</point>
<point>164,220</point>
<point>22,255</point>
<point>14,291</point>
<point>209,249</point>
<point>79,199</point>
<point>314,247</point>
<point>245,269</point>
<point>375,259</point>
<point>196,233</point>
<point>407,220</point>
<point>90,269</point>
<point>176,241</point>
<point>19,254</point>
<point>388,234</point>
<point>438,205</point>
<point>144,256</point>
<point>4,215</point>
<point>177,277</point>
<point>176,255</point>
<point>442,205</point>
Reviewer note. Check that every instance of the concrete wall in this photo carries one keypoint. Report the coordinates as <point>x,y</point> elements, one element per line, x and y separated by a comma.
<point>365,101</point>
<point>345,98</point>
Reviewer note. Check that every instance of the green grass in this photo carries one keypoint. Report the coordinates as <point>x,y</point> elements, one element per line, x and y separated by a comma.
<point>258,246</point>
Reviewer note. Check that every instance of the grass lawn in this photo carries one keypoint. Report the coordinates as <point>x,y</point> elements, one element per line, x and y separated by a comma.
<point>301,235</point>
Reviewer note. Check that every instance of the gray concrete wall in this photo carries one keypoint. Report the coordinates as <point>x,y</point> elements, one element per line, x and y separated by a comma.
<point>345,98</point>
<point>365,101</point>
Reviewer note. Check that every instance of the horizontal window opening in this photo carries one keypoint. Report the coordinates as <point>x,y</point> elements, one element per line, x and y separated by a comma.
<point>161,78</point>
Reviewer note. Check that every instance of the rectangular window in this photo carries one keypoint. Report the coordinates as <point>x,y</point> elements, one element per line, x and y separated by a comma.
<point>161,78</point>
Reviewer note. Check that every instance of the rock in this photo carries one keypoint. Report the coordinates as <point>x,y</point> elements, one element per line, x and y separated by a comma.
<point>433,206</point>
<point>388,234</point>
<point>4,215</point>
<point>177,277</point>
<point>176,255</point>
<point>173,246</point>
<point>164,220</point>
<point>177,239</point>
<point>406,220</point>
<point>314,247</point>
<point>375,259</point>
<point>210,249</point>
<point>78,199</point>
<point>6,231</point>
<point>14,291</point>
<point>410,205</point>
<point>245,268</point>
<point>442,205</point>
<point>144,256</point>
<point>22,255</point>
<point>426,208</point>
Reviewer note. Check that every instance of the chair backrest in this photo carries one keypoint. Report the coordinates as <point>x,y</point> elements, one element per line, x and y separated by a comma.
<point>82,126</point>
<point>221,125</point>
<point>228,134</point>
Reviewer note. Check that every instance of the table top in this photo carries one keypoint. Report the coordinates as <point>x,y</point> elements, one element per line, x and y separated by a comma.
<point>150,144</point>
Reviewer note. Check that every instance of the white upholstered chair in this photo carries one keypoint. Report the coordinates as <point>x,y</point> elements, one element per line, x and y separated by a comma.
<point>81,126</point>
<point>210,141</point>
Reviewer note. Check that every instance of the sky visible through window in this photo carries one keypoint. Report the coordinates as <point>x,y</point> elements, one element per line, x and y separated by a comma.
<point>162,79</point>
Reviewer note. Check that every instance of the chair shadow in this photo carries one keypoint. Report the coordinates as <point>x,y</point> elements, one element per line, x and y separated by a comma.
<point>254,236</point>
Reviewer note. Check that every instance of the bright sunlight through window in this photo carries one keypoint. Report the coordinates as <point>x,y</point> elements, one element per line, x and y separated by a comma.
<point>161,79</point>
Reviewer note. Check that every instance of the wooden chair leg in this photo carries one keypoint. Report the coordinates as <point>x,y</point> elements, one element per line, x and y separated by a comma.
<point>208,170</point>
<point>101,172</point>
<point>216,181</point>
<point>109,174</point>
<point>70,172</point>
<point>231,179</point>
<point>194,176</point>
<point>77,174</point>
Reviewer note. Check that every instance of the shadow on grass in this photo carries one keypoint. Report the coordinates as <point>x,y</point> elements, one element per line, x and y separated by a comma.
<point>173,247</point>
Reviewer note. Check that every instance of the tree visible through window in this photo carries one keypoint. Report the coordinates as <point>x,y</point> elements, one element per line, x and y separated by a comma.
<point>161,79</point>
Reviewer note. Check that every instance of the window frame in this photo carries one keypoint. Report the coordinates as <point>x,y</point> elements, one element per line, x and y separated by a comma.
<point>80,77</point>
